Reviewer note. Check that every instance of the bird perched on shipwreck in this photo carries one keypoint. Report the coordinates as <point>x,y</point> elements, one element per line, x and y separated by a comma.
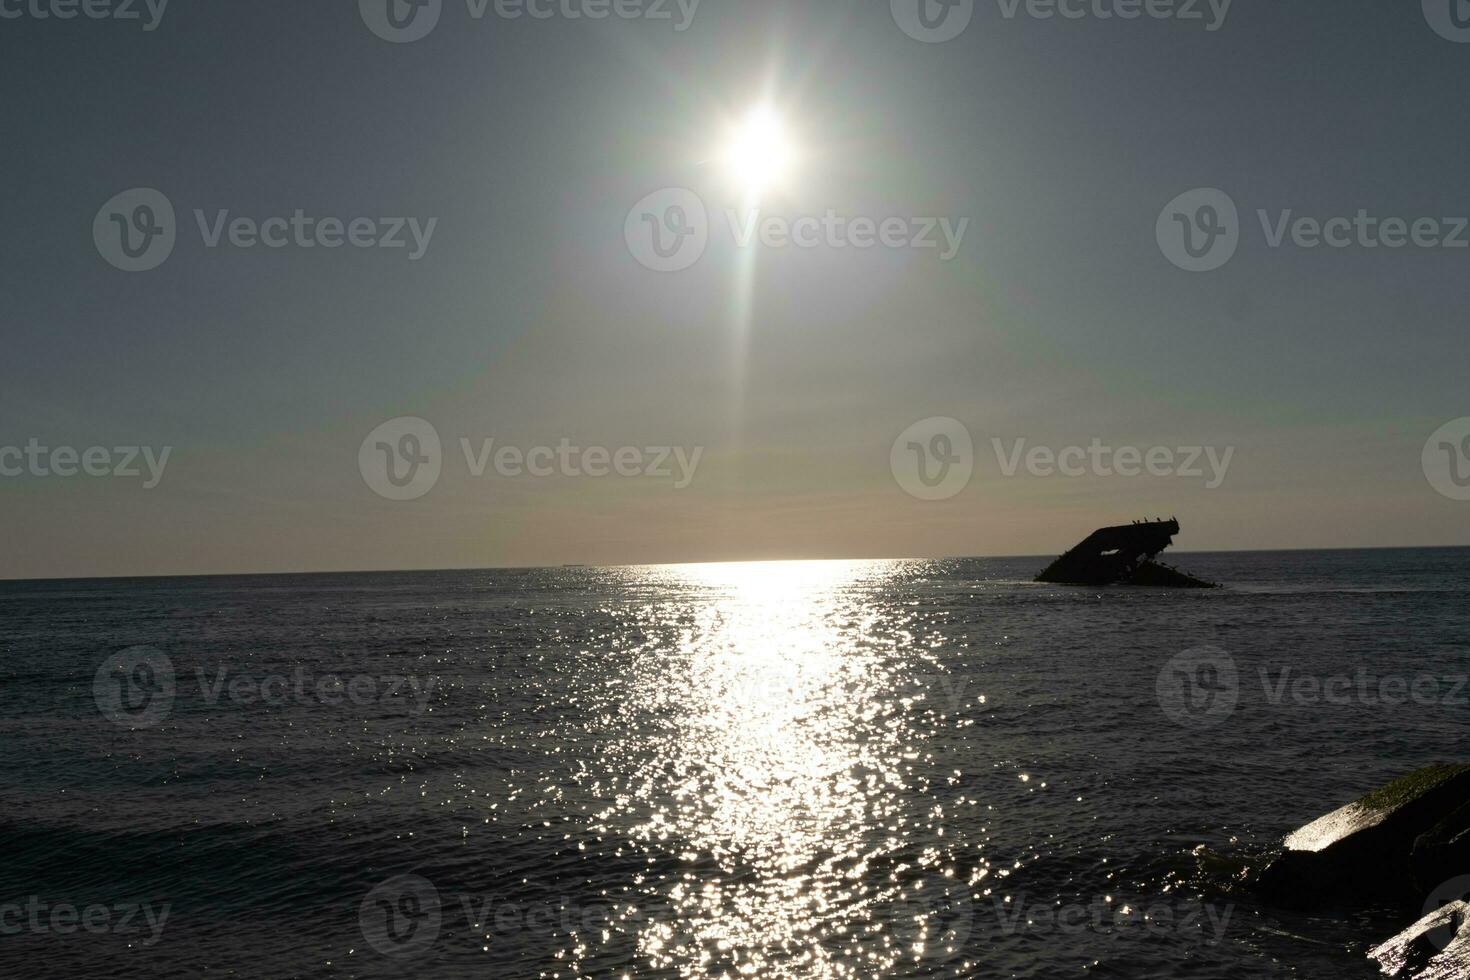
<point>1123,555</point>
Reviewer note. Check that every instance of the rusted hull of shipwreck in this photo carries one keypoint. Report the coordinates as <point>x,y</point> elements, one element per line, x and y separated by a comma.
<point>1122,555</point>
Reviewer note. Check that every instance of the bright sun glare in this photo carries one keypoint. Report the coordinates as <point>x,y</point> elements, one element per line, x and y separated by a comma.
<point>758,154</point>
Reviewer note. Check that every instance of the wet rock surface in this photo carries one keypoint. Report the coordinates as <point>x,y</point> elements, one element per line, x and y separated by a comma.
<point>1390,847</point>
<point>1437,947</point>
<point>1443,848</point>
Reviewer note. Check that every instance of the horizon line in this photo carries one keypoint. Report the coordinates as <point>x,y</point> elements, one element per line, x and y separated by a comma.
<point>677,564</point>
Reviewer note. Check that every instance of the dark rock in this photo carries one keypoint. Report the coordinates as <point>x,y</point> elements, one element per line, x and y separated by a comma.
<point>1437,947</point>
<point>1363,852</point>
<point>1442,851</point>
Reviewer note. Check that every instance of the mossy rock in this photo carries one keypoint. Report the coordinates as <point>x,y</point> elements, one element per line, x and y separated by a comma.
<point>1363,853</point>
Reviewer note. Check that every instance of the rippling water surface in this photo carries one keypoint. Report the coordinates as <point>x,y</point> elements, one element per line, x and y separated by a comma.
<point>804,770</point>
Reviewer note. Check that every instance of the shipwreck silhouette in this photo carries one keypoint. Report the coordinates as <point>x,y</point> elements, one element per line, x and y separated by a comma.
<point>1123,555</point>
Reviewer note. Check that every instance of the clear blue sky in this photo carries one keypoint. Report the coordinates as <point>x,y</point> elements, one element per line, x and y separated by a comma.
<point>528,321</point>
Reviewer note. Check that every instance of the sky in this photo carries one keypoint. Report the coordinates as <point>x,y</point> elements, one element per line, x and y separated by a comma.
<point>768,400</point>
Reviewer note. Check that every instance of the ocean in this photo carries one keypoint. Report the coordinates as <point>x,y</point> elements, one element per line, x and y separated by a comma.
<point>790,770</point>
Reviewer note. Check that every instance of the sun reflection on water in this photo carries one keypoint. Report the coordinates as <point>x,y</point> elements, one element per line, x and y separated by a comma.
<point>781,767</point>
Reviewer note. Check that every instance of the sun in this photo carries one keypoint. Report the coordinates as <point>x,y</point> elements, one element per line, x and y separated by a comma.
<point>758,154</point>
